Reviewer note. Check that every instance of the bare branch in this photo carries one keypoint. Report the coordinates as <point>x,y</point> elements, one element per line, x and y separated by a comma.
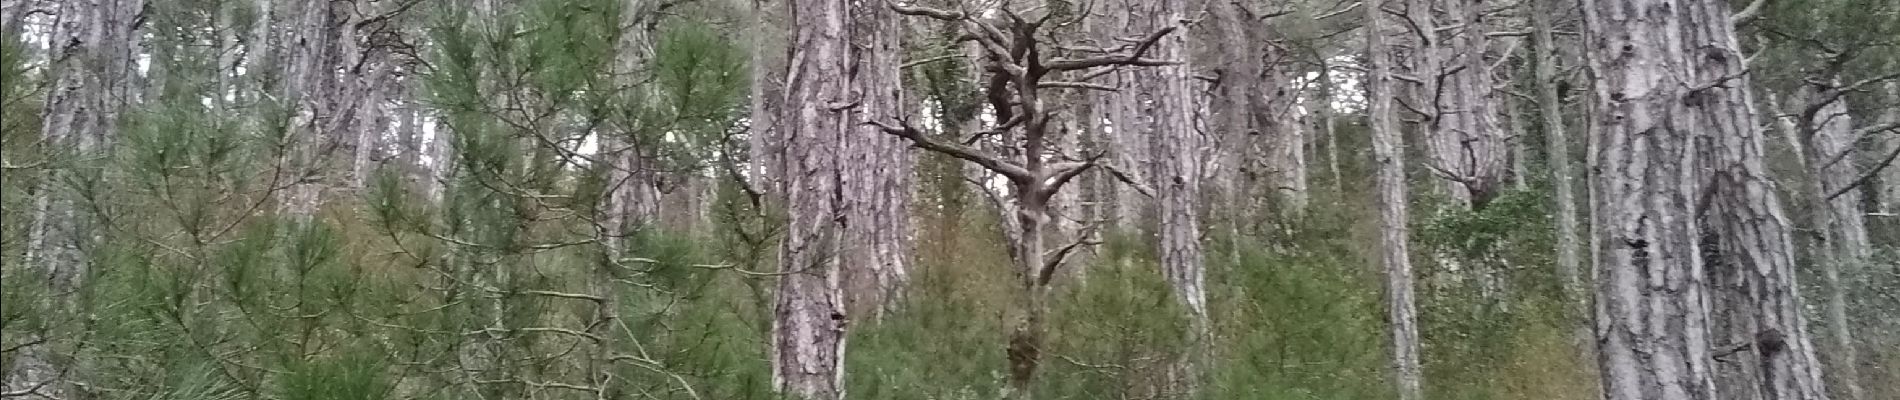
<point>1049,267</point>
<point>925,11</point>
<point>1076,85</point>
<point>908,65</point>
<point>1866,175</point>
<point>1747,13</point>
<point>1007,169</point>
<point>1133,58</point>
<point>1131,180</point>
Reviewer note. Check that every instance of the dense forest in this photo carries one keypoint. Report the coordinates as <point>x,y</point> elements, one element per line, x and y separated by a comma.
<point>950,199</point>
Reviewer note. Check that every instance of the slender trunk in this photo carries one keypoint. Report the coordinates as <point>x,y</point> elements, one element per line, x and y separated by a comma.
<point>1387,147</point>
<point>1887,193</point>
<point>1177,176</point>
<point>1328,94</point>
<point>1557,142</point>
<point>1844,246</point>
<point>1520,151</point>
<point>92,79</point>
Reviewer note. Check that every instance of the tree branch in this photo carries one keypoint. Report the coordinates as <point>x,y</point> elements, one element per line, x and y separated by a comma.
<point>1007,169</point>
<point>1133,58</point>
<point>1866,175</point>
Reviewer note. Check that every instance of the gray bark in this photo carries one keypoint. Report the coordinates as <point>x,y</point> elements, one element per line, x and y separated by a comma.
<point>633,200</point>
<point>1844,245</point>
<point>876,176</point>
<point>1652,317</point>
<point>809,321</point>
<point>1744,215</point>
<point>334,81</point>
<point>1387,147</point>
<point>93,66</point>
<point>1685,203</point>
<point>1549,110</point>
<point>1177,177</point>
<point>1887,193</point>
<point>1468,150</point>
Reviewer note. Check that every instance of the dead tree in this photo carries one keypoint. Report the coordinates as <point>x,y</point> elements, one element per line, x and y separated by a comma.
<point>1016,71</point>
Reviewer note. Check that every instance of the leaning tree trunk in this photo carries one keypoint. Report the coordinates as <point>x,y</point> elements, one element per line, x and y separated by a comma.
<point>92,80</point>
<point>1387,147</point>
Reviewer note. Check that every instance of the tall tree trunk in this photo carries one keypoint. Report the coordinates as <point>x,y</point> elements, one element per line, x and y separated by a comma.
<point>1844,246</point>
<point>808,326</point>
<point>93,68</point>
<point>1557,142</point>
<point>1744,215</point>
<point>1467,147</point>
<point>876,178</point>
<point>1387,147</point>
<point>1328,127</point>
<point>1173,138</point>
<point>1684,180</point>
<point>1651,312</point>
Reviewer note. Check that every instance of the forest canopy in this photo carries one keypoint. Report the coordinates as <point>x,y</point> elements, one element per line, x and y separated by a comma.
<point>950,199</point>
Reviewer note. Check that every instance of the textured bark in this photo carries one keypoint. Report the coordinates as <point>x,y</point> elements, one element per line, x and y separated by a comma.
<point>1844,245</point>
<point>1652,316</point>
<point>1259,141</point>
<point>876,178</point>
<point>335,70</point>
<point>1686,202</point>
<point>769,53</point>
<point>1744,215</point>
<point>93,66</point>
<point>1550,115</point>
<point>1468,150</point>
<point>1387,147</point>
<point>1177,180</point>
<point>808,325</point>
